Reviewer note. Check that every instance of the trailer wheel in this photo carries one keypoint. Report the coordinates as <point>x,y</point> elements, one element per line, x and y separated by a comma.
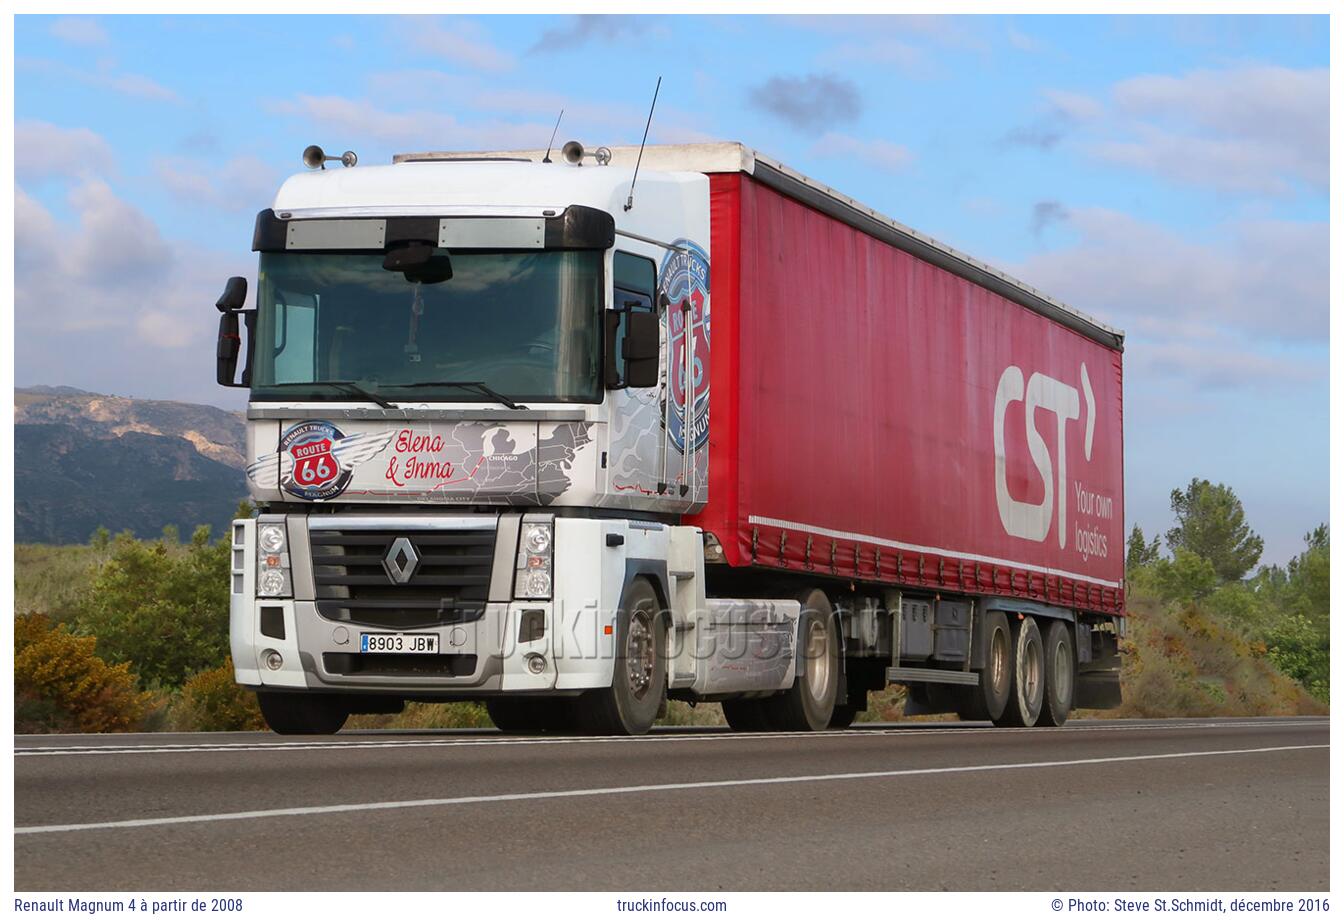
<point>986,702</point>
<point>807,705</point>
<point>302,713</point>
<point>747,715</point>
<point>639,678</point>
<point>1060,669</point>
<point>1028,686</point>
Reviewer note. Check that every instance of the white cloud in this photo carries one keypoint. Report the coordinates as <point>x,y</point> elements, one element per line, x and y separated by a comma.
<point>78,30</point>
<point>43,150</point>
<point>105,77</point>
<point>460,41</point>
<point>110,270</point>
<point>1024,42</point>
<point>1214,313</point>
<point>883,155</point>
<point>423,130</point>
<point>1249,130</point>
<point>887,51</point>
<point>237,185</point>
<point>134,84</point>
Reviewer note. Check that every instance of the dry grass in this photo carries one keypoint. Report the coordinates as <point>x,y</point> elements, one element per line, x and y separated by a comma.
<point>1182,661</point>
<point>50,579</point>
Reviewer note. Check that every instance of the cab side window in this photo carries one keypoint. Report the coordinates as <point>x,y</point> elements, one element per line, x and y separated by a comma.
<point>634,290</point>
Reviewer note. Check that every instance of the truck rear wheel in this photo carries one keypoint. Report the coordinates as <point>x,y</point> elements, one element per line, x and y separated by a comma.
<point>1060,671</point>
<point>1027,695</point>
<point>639,678</point>
<point>986,702</point>
<point>302,713</point>
<point>807,706</point>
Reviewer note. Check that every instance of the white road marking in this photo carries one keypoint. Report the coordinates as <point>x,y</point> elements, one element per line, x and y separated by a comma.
<point>626,790</point>
<point>352,743</point>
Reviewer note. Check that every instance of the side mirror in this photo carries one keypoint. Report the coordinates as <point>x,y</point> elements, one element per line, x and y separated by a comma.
<point>227,348</point>
<point>234,296</point>
<point>640,349</point>
<point>229,342</point>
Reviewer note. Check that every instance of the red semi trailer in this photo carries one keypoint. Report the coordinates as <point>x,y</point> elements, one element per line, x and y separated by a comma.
<point>576,437</point>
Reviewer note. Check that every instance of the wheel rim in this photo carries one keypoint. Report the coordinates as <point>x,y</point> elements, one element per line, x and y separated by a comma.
<point>639,654</point>
<point>818,660</point>
<point>998,661</point>
<point>1061,669</point>
<point>1031,671</point>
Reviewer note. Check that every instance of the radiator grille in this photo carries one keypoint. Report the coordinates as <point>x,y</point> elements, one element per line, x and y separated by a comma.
<point>449,582</point>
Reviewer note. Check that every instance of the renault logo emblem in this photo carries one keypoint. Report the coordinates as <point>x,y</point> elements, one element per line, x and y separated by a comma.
<point>401,560</point>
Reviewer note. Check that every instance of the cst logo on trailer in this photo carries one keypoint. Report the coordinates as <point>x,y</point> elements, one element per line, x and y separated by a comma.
<point>684,278</point>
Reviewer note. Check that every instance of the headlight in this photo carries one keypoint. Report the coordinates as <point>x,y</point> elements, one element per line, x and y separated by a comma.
<point>537,538</point>
<point>533,579</point>
<point>271,538</point>
<point>271,583</point>
<point>273,578</point>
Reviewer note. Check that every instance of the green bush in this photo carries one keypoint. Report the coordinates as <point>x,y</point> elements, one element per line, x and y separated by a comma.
<point>1298,650</point>
<point>61,685</point>
<point>1185,577</point>
<point>211,702</point>
<point>162,607</point>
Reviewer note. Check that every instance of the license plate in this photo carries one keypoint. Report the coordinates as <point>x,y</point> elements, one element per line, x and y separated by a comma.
<point>399,643</point>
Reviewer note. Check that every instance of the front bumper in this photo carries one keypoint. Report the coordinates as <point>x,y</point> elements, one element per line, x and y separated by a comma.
<point>289,644</point>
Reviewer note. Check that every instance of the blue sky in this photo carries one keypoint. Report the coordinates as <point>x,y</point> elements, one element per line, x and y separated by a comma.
<point>1166,174</point>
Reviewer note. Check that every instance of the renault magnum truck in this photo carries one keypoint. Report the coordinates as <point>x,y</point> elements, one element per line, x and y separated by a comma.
<point>577,437</point>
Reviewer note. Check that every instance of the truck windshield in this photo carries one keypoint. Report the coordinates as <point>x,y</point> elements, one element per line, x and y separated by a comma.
<point>526,324</point>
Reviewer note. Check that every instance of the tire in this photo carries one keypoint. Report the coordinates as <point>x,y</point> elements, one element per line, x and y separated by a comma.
<point>843,716</point>
<point>302,713</point>
<point>529,715</point>
<point>1027,696</point>
<point>807,706</point>
<point>639,678</point>
<point>986,702</point>
<point>1061,670</point>
<point>747,715</point>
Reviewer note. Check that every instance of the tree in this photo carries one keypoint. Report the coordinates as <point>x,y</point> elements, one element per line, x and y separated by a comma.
<point>1186,577</point>
<point>61,685</point>
<point>164,609</point>
<point>1140,553</point>
<point>1211,523</point>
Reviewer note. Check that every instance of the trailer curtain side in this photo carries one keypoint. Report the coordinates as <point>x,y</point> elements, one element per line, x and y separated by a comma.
<point>869,417</point>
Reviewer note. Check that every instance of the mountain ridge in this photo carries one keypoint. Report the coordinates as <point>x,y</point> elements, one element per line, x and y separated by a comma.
<point>86,460</point>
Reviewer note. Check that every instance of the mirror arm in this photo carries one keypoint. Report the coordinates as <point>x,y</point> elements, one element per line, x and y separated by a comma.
<point>250,321</point>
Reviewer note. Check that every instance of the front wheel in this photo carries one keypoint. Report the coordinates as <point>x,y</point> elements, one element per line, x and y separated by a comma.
<point>302,713</point>
<point>639,679</point>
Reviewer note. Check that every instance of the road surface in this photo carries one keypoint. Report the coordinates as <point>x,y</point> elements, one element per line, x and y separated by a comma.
<point>1226,804</point>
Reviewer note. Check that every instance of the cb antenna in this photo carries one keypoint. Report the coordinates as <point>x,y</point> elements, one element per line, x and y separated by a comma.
<point>630,201</point>
<point>551,143</point>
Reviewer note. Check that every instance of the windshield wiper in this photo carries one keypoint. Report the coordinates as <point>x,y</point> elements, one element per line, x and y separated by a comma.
<point>348,385</point>
<point>476,385</point>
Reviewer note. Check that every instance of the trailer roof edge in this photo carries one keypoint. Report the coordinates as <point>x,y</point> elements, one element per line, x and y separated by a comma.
<point>734,156</point>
